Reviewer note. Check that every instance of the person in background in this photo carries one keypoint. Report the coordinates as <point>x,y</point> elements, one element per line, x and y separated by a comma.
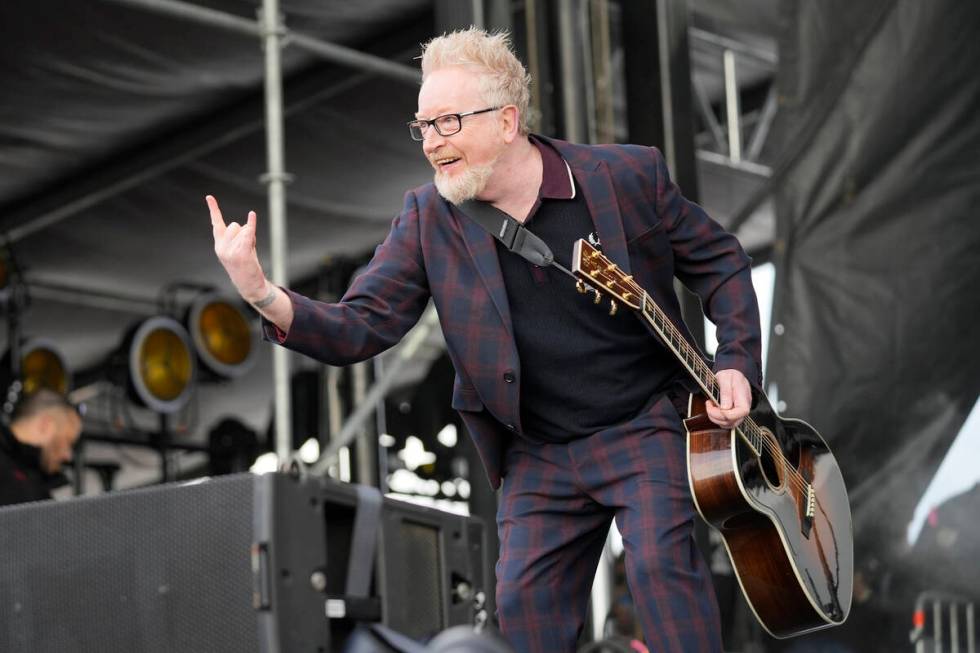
<point>39,439</point>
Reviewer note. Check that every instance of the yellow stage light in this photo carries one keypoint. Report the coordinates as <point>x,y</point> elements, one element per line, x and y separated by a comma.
<point>43,366</point>
<point>222,336</point>
<point>161,368</point>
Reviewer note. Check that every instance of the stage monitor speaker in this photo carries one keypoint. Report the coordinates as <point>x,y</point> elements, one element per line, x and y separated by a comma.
<point>431,569</point>
<point>238,563</point>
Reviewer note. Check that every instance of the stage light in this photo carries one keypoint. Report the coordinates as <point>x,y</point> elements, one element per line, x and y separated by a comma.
<point>222,336</point>
<point>43,366</point>
<point>160,368</point>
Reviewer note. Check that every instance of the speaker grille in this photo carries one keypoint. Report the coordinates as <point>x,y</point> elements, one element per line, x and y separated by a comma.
<point>423,600</point>
<point>152,570</point>
<point>169,568</point>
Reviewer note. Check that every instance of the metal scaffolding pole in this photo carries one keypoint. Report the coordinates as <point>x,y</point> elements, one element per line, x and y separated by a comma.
<point>765,122</point>
<point>708,114</point>
<point>275,179</point>
<point>230,22</point>
<point>732,109</point>
<point>93,298</point>
<point>365,439</point>
<point>572,94</point>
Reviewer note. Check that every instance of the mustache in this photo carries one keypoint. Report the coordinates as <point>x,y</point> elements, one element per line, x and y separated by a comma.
<point>442,154</point>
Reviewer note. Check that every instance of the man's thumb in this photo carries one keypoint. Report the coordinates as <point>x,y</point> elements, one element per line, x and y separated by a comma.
<point>726,395</point>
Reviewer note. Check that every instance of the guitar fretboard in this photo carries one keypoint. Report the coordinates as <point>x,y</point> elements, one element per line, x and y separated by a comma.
<point>672,337</point>
<point>696,366</point>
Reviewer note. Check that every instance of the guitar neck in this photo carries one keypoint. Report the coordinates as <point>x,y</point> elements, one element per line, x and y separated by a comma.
<point>687,355</point>
<point>691,359</point>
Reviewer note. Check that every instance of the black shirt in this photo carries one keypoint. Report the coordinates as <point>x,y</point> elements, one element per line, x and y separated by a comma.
<point>21,476</point>
<point>582,370</point>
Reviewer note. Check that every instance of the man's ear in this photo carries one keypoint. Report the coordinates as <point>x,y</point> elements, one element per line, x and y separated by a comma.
<point>510,120</point>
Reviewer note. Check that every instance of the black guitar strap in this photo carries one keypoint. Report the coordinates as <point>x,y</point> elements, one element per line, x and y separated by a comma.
<point>514,236</point>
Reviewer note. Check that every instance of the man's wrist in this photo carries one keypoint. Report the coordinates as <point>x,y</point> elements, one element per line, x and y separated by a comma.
<point>267,299</point>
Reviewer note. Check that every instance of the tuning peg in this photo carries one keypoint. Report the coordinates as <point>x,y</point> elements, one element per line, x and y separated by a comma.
<point>613,307</point>
<point>598,298</point>
<point>579,286</point>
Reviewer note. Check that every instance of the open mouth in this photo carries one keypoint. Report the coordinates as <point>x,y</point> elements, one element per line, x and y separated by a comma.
<point>447,164</point>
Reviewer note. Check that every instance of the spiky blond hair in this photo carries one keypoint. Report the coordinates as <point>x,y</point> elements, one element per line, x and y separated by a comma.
<point>503,79</point>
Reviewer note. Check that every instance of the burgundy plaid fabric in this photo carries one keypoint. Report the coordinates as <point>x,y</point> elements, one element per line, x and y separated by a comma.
<point>646,227</point>
<point>553,517</point>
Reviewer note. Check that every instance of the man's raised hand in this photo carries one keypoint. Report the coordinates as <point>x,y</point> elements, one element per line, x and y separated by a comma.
<point>234,244</point>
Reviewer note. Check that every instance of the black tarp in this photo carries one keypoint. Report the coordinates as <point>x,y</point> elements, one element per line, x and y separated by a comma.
<point>877,298</point>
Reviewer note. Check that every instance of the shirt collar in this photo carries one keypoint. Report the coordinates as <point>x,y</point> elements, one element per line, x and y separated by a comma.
<point>557,182</point>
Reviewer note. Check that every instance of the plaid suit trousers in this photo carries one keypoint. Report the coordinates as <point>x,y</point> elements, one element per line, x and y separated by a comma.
<point>553,517</point>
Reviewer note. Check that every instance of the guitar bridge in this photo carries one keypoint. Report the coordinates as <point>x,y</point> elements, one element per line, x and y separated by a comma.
<point>809,509</point>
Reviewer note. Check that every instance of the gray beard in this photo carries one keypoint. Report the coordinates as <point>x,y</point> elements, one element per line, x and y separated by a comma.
<point>464,187</point>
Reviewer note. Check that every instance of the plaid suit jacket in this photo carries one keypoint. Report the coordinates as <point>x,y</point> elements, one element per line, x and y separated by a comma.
<point>645,226</point>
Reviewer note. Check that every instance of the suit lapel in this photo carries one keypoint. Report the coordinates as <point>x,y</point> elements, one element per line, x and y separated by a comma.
<point>600,194</point>
<point>481,247</point>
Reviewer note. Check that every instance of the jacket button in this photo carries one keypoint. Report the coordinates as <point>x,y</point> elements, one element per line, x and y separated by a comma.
<point>509,376</point>
<point>511,427</point>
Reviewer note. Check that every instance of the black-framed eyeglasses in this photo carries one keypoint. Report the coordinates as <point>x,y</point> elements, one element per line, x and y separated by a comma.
<point>445,125</point>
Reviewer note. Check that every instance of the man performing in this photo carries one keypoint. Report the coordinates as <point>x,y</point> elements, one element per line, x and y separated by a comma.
<point>44,427</point>
<point>573,411</point>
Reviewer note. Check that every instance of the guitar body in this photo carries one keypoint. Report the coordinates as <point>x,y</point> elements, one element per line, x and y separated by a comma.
<point>795,565</point>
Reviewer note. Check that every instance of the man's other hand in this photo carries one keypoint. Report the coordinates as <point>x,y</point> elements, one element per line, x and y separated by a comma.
<point>735,399</point>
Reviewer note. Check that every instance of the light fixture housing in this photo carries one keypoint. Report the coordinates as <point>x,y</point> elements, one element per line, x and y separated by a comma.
<point>160,364</point>
<point>41,365</point>
<point>223,337</point>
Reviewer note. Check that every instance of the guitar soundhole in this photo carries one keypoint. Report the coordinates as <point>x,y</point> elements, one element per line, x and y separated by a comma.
<point>771,460</point>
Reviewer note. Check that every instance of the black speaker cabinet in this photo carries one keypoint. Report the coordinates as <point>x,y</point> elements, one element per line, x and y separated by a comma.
<point>237,563</point>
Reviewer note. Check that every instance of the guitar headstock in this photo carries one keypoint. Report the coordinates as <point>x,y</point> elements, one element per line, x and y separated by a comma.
<point>592,266</point>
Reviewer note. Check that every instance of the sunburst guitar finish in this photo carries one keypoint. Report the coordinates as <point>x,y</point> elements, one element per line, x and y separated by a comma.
<point>783,514</point>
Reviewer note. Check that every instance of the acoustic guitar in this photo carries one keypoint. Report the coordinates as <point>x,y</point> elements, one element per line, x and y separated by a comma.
<point>770,487</point>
